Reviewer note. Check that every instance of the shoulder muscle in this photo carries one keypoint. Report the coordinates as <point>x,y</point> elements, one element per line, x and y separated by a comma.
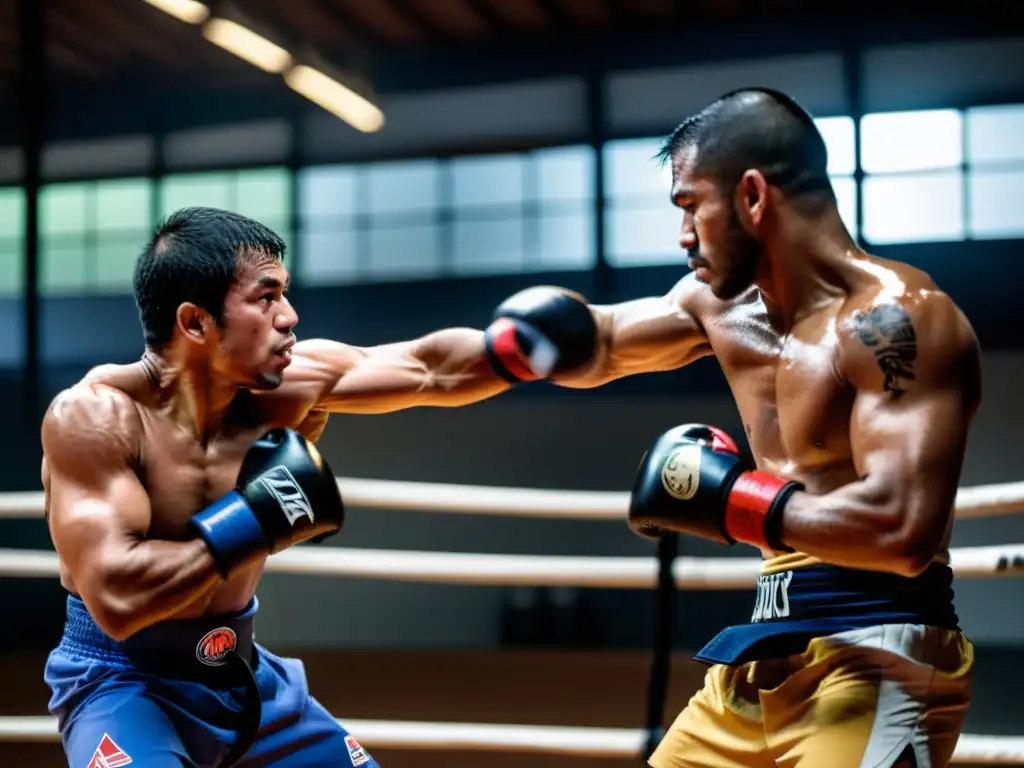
<point>89,431</point>
<point>916,340</point>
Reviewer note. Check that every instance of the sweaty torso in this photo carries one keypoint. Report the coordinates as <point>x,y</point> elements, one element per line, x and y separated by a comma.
<point>183,474</point>
<point>791,387</point>
<point>794,405</point>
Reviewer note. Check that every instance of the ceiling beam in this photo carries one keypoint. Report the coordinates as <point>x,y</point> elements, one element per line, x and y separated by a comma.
<point>491,18</point>
<point>556,14</point>
<point>430,28</point>
<point>364,33</point>
<point>81,41</point>
<point>117,29</point>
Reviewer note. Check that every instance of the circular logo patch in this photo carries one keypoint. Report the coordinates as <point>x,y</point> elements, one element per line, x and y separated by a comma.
<point>680,473</point>
<point>214,646</point>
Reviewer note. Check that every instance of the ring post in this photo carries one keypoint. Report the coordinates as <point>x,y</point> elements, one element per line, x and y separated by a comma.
<point>664,617</point>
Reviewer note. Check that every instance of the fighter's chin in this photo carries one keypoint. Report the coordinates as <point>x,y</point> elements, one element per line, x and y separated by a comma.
<point>727,290</point>
<point>268,380</point>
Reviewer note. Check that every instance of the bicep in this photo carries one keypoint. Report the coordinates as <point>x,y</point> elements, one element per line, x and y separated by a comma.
<point>911,449</point>
<point>917,391</point>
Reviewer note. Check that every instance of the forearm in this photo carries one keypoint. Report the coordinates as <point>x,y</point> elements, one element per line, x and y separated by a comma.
<point>859,526</point>
<point>149,581</point>
<point>457,368</point>
<point>446,368</point>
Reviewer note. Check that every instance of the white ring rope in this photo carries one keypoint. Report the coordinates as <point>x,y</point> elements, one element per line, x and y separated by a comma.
<point>724,573</point>
<point>535,739</point>
<point>976,501</point>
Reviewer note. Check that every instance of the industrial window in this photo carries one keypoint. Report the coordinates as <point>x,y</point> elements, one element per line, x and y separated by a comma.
<point>369,222</point>
<point>91,234</point>
<point>264,194</point>
<point>913,187</point>
<point>840,145</point>
<point>995,157</point>
<point>906,208</point>
<point>401,239</point>
<point>423,219</point>
<point>528,212</point>
<point>12,241</point>
<point>643,226</point>
<point>898,142</point>
<point>327,231</point>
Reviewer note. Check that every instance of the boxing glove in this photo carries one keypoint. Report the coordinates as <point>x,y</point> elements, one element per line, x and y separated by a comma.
<point>285,494</point>
<point>538,332</point>
<point>693,480</point>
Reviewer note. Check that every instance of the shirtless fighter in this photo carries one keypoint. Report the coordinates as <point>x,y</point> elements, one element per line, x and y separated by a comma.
<point>856,379</point>
<point>170,480</point>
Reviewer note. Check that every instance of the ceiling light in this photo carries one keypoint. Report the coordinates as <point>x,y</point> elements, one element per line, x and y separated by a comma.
<point>246,44</point>
<point>189,11</point>
<point>336,98</point>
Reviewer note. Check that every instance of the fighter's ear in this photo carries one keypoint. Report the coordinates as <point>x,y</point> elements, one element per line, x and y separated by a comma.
<point>752,197</point>
<point>193,322</point>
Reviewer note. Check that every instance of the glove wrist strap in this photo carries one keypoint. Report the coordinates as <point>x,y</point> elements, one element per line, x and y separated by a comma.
<point>230,530</point>
<point>504,354</point>
<point>753,510</point>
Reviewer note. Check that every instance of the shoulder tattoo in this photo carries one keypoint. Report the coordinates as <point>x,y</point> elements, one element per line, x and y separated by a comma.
<point>888,332</point>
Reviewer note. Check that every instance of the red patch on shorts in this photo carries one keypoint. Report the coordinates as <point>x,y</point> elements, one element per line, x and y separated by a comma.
<point>108,755</point>
<point>356,752</point>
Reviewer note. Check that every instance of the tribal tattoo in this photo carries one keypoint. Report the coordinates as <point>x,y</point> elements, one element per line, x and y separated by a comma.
<point>888,332</point>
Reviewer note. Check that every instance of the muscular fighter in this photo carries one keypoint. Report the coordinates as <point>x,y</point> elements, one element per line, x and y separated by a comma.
<point>856,379</point>
<point>170,480</point>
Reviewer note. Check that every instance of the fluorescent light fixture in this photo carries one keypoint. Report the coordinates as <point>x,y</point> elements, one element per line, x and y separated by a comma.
<point>189,11</point>
<point>359,112</point>
<point>246,44</point>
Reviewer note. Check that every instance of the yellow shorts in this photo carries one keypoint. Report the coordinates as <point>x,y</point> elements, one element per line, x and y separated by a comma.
<point>889,695</point>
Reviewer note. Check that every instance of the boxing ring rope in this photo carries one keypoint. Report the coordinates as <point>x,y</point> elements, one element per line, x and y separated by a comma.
<point>719,573</point>
<point>533,570</point>
<point>976,501</point>
<point>534,739</point>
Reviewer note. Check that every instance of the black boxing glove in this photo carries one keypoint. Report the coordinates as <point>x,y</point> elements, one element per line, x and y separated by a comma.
<point>286,493</point>
<point>693,481</point>
<point>538,332</point>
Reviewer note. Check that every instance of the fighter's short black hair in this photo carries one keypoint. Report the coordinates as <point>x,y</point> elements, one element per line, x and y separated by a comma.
<point>194,256</point>
<point>755,128</point>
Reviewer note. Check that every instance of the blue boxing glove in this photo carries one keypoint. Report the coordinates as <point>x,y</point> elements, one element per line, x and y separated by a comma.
<point>286,494</point>
<point>539,332</point>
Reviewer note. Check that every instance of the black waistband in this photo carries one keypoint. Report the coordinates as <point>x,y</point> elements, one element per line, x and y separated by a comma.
<point>827,591</point>
<point>791,607</point>
<point>206,650</point>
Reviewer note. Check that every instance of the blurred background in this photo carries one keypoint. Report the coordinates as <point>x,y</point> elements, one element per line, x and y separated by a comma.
<point>499,144</point>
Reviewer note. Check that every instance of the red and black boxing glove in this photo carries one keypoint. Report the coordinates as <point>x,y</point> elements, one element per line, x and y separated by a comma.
<point>539,332</point>
<point>693,480</point>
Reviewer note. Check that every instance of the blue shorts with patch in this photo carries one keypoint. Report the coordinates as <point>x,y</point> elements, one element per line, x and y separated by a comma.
<point>177,694</point>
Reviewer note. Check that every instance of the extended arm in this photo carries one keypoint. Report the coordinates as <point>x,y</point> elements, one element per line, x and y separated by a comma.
<point>99,514</point>
<point>551,333</point>
<point>446,368</point>
<point>539,333</point>
<point>916,370</point>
